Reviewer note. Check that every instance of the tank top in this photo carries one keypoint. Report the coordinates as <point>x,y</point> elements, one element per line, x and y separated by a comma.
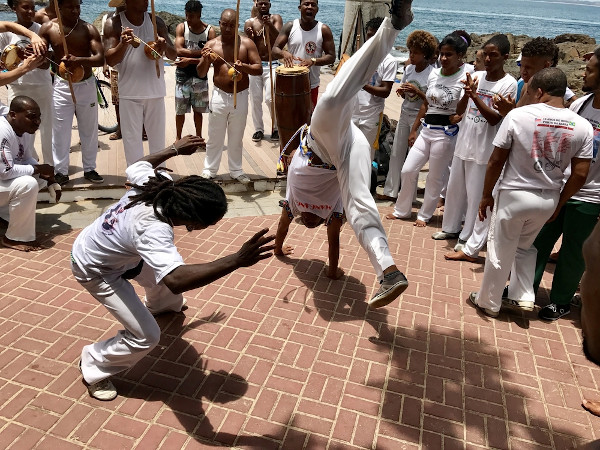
<point>306,45</point>
<point>137,75</point>
<point>193,41</point>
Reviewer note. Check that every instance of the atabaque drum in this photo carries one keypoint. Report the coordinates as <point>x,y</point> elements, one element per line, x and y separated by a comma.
<point>292,104</point>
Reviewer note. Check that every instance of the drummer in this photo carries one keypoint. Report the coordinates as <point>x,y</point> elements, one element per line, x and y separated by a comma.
<point>85,52</point>
<point>224,116</point>
<point>309,42</point>
<point>264,25</point>
<point>36,84</point>
<point>29,63</point>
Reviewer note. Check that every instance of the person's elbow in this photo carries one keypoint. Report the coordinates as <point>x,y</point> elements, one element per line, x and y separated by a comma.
<point>174,282</point>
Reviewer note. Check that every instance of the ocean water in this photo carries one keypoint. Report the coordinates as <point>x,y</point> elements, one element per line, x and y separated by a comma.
<point>532,17</point>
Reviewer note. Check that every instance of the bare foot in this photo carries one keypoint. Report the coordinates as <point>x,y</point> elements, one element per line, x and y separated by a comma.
<point>420,223</point>
<point>460,256</point>
<point>441,202</point>
<point>391,217</point>
<point>31,246</point>
<point>591,406</point>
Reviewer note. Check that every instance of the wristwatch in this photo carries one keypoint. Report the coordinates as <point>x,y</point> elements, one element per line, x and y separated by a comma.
<point>314,61</point>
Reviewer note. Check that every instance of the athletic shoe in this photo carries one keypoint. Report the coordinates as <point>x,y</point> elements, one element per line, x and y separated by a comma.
<point>207,176</point>
<point>243,178</point>
<point>487,311</point>
<point>258,136</point>
<point>442,235</point>
<point>576,301</point>
<point>391,287</point>
<point>102,390</point>
<point>275,136</point>
<point>61,179</point>
<point>525,305</point>
<point>554,312</point>
<point>402,14</point>
<point>460,245</point>
<point>93,176</point>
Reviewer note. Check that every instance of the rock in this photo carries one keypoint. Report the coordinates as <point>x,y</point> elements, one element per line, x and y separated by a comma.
<point>171,20</point>
<point>5,8</point>
<point>573,51</point>
<point>577,38</point>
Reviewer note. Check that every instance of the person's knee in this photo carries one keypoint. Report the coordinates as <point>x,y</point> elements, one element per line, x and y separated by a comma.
<point>150,336</point>
<point>27,185</point>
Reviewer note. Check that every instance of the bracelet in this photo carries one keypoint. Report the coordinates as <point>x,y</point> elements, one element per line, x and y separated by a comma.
<point>175,148</point>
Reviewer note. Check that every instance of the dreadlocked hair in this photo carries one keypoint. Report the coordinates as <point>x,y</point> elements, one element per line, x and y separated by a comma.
<point>192,199</point>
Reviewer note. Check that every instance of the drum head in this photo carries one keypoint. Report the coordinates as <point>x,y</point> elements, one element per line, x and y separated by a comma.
<point>10,57</point>
<point>295,70</point>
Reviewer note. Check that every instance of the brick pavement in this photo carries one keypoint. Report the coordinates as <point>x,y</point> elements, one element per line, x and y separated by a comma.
<point>278,356</point>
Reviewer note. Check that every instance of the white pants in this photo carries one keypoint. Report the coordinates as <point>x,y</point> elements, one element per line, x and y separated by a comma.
<point>18,199</point>
<point>86,110</point>
<point>42,94</point>
<point>464,195</point>
<point>141,334</point>
<point>135,116</point>
<point>398,156</point>
<point>369,125</point>
<point>337,140</point>
<point>258,84</point>
<point>224,118</point>
<point>438,148</point>
<point>519,217</point>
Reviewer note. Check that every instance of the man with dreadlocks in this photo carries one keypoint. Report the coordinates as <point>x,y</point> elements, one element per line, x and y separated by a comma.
<point>134,240</point>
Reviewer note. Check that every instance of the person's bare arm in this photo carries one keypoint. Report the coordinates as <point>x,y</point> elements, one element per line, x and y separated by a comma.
<point>412,137</point>
<point>274,25</point>
<point>208,57</point>
<point>492,173</point>
<point>282,39</point>
<point>37,43</point>
<point>328,56</point>
<point>165,45</point>
<point>116,41</point>
<point>29,63</point>
<point>187,277</point>
<point>579,172</point>
<point>333,248</point>
<point>382,91</point>
<point>187,145</point>
<point>282,230</point>
<point>253,66</point>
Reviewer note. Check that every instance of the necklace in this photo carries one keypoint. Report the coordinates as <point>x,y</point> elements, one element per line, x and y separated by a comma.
<point>74,26</point>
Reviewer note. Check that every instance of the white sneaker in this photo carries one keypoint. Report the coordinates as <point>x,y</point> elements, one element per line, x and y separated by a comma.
<point>102,390</point>
<point>207,176</point>
<point>525,305</point>
<point>460,245</point>
<point>486,311</point>
<point>243,178</point>
<point>442,235</point>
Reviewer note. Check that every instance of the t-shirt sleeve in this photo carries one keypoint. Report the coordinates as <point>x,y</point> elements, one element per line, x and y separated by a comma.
<point>158,251</point>
<point>504,136</point>
<point>139,172</point>
<point>8,168</point>
<point>389,70</point>
<point>586,150</point>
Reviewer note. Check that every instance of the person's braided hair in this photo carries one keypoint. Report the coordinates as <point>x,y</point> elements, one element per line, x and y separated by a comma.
<point>192,199</point>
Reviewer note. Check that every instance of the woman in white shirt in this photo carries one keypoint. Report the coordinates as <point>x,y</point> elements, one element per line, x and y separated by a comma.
<point>436,141</point>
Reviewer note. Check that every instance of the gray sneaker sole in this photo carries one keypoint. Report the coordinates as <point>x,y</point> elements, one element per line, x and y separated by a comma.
<point>381,300</point>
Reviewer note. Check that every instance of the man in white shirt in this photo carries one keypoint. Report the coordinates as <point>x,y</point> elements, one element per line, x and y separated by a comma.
<point>534,146</point>
<point>371,98</point>
<point>578,217</point>
<point>21,177</point>
<point>134,239</point>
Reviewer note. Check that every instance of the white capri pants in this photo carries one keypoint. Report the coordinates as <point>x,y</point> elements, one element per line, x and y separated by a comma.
<point>141,334</point>
<point>464,195</point>
<point>87,123</point>
<point>518,218</point>
<point>42,94</point>
<point>258,84</point>
<point>436,147</point>
<point>399,150</point>
<point>224,118</point>
<point>135,116</point>
<point>18,200</point>
<point>337,140</point>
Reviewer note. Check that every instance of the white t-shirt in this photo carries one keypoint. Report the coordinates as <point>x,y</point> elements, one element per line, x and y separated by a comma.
<point>306,45</point>
<point>35,76</point>
<point>16,158</point>
<point>137,73</point>
<point>312,188</point>
<point>444,92</point>
<point>120,238</point>
<point>590,192</point>
<point>476,135</point>
<point>371,105</point>
<point>543,140</point>
<point>412,103</point>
